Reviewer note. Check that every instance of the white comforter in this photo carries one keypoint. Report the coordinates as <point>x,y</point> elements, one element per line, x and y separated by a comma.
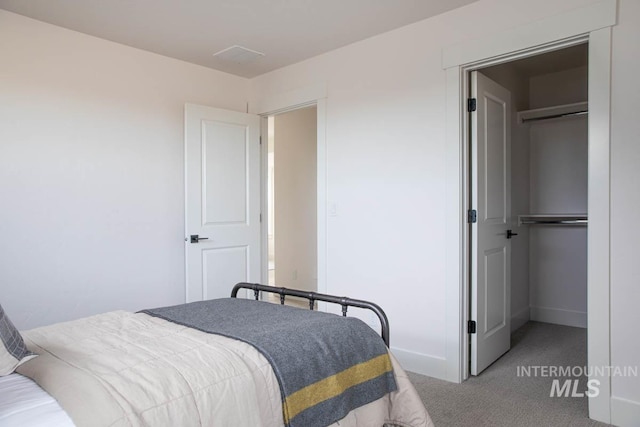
<point>125,369</point>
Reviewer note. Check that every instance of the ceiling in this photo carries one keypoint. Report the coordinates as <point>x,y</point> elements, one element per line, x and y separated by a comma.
<point>286,31</point>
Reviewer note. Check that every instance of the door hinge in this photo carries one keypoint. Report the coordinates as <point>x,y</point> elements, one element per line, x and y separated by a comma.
<point>260,139</point>
<point>261,217</point>
<point>471,104</point>
<point>471,327</point>
<point>472,216</point>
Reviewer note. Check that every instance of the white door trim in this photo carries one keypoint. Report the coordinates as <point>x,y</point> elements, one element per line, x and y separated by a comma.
<point>591,23</point>
<point>598,232</point>
<point>563,26</point>
<point>288,101</point>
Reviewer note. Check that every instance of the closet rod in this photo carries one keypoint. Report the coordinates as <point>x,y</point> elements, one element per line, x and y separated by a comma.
<point>555,116</point>
<point>555,221</point>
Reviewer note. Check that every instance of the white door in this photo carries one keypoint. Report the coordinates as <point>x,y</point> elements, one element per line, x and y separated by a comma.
<point>490,245</point>
<point>222,176</point>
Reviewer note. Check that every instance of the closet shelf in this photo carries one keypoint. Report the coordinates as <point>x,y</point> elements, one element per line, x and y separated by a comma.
<point>556,112</point>
<point>553,219</point>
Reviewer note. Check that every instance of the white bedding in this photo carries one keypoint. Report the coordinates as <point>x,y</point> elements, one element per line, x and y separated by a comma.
<point>24,404</point>
<point>134,369</point>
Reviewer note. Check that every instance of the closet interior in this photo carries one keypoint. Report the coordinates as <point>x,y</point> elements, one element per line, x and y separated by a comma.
<point>548,185</point>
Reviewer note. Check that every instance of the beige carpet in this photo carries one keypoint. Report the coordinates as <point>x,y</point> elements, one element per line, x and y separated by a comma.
<point>499,397</point>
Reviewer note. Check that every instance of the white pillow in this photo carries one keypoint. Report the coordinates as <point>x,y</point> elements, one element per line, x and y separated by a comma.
<point>13,351</point>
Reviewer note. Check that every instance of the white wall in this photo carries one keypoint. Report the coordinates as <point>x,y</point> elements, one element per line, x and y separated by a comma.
<point>558,184</point>
<point>558,254</point>
<point>91,171</point>
<point>295,199</point>
<point>563,87</point>
<point>386,155</point>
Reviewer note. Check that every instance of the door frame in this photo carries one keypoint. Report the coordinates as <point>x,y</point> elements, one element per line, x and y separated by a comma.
<point>282,103</point>
<point>590,24</point>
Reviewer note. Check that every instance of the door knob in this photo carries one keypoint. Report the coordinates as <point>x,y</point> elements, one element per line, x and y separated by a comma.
<point>194,238</point>
<point>510,234</point>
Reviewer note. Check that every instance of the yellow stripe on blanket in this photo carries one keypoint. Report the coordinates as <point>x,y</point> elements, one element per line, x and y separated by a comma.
<point>335,385</point>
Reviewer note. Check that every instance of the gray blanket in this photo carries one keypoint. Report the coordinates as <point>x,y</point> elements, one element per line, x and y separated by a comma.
<point>326,365</point>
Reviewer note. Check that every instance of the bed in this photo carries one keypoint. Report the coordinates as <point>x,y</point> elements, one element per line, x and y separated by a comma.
<point>227,362</point>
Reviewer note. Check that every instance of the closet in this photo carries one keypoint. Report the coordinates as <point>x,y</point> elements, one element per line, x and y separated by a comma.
<point>549,148</point>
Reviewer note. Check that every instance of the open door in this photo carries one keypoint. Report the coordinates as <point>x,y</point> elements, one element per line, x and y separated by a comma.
<point>490,234</point>
<point>222,219</point>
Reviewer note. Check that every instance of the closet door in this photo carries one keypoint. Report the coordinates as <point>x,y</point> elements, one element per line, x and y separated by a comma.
<point>490,244</point>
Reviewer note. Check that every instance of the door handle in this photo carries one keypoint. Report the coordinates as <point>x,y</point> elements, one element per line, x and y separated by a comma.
<point>510,234</point>
<point>194,238</point>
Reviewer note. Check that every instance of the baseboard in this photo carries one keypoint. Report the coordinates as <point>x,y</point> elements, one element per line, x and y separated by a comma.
<point>419,363</point>
<point>519,318</point>
<point>625,413</point>
<point>577,319</point>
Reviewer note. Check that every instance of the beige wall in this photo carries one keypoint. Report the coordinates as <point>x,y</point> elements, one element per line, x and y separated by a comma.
<point>91,171</point>
<point>295,199</point>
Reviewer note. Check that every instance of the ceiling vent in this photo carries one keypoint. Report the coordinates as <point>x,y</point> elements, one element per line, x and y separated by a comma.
<point>238,55</point>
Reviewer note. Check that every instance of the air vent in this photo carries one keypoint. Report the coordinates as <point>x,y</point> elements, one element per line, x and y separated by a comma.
<point>238,55</point>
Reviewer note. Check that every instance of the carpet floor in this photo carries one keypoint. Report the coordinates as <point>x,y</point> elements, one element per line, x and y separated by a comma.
<point>501,397</point>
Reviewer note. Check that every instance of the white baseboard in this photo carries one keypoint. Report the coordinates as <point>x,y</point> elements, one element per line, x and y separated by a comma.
<point>419,363</point>
<point>519,318</point>
<point>625,413</point>
<point>577,319</point>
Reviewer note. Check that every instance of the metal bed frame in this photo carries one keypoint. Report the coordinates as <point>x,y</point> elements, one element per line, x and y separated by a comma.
<point>313,297</point>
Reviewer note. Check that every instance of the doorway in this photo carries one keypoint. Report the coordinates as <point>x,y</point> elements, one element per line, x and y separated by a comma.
<point>528,174</point>
<point>592,23</point>
<point>292,226</point>
<point>553,200</point>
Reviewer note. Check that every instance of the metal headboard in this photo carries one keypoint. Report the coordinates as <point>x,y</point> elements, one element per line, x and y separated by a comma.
<point>313,297</point>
